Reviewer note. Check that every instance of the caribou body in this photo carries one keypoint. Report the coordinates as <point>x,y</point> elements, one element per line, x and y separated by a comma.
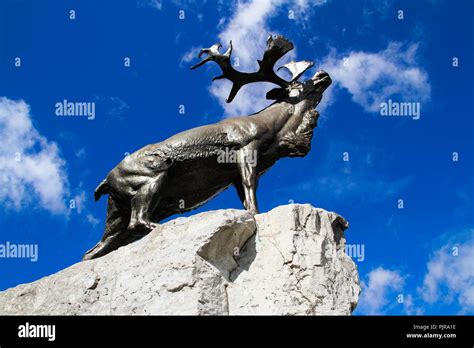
<point>185,171</point>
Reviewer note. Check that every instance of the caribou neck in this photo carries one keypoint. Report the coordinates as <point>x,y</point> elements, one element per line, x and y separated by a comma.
<point>284,117</point>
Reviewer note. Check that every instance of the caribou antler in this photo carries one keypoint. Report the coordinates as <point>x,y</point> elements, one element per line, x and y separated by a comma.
<point>277,47</point>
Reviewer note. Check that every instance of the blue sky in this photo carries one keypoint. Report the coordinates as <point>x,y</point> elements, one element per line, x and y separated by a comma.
<point>374,52</point>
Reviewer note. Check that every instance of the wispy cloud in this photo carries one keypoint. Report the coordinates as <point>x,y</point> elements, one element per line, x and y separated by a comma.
<point>450,276</point>
<point>449,280</point>
<point>190,55</point>
<point>81,153</point>
<point>372,78</point>
<point>155,4</point>
<point>361,178</point>
<point>354,180</point>
<point>92,220</point>
<point>380,291</point>
<point>82,199</point>
<point>32,170</point>
<point>303,9</point>
<point>248,29</point>
<point>114,108</point>
<point>409,306</point>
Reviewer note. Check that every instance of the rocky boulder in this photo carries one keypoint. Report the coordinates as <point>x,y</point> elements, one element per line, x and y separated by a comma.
<point>289,261</point>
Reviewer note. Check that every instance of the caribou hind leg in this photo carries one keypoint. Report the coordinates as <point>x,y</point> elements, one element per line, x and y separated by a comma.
<point>144,204</point>
<point>115,234</point>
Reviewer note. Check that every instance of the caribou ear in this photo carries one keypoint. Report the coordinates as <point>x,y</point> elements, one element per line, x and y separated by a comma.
<point>297,68</point>
<point>277,93</point>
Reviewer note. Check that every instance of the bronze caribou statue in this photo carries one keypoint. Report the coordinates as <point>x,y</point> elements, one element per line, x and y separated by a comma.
<point>185,171</point>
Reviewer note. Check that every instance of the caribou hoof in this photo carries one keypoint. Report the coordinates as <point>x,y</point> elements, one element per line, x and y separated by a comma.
<point>141,226</point>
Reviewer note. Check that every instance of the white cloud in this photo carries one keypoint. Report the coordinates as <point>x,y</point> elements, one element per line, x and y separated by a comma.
<point>156,4</point>
<point>449,280</point>
<point>31,168</point>
<point>303,9</point>
<point>92,220</point>
<point>305,4</point>
<point>190,55</point>
<point>450,277</point>
<point>373,78</point>
<point>409,306</point>
<point>379,291</point>
<point>248,29</point>
<point>81,153</point>
<point>80,200</point>
<point>250,99</point>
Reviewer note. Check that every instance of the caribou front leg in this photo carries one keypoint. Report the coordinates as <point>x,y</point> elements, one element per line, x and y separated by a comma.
<point>247,163</point>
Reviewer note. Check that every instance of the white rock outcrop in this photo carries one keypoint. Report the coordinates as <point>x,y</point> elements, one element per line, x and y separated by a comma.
<point>289,261</point>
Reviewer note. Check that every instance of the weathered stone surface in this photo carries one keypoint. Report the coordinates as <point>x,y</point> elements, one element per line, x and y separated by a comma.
<point>289,261</point>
